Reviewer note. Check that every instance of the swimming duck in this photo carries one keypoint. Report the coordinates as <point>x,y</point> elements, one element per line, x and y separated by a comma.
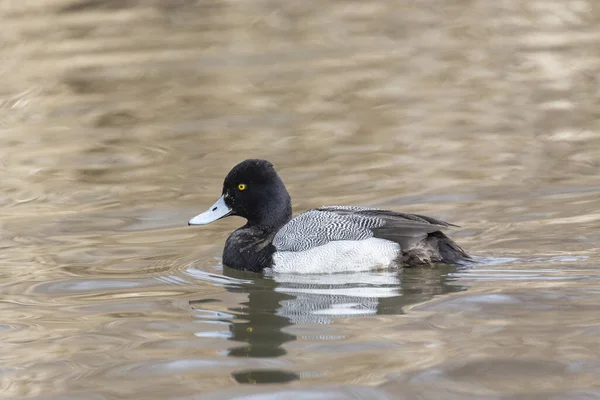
<point>322,240</point>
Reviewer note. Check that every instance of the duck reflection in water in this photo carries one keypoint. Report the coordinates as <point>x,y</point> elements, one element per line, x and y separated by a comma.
<point>277,301</point>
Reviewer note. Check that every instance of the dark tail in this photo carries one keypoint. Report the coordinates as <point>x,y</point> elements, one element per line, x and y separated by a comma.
<point>449,251</point>
<point>435,248</point>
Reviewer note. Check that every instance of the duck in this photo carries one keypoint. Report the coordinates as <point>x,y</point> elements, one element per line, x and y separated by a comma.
<point>328,239</point>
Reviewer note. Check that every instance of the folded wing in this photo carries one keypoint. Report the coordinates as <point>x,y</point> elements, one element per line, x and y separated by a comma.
<point>325,224</point>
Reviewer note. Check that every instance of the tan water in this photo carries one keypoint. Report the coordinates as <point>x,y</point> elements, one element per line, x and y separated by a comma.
<point>119,119</point>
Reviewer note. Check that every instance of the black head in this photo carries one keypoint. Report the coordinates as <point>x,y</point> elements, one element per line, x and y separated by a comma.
<point>252,190</point>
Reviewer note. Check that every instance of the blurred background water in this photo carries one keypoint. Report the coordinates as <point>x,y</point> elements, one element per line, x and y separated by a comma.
<point>120,118</point>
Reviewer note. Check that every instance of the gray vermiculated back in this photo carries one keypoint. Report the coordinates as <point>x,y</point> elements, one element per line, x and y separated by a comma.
<point>316,228</point>
<point>325,224</point>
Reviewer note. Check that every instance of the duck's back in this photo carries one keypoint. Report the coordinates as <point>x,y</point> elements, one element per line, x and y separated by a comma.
<point>343,238</point>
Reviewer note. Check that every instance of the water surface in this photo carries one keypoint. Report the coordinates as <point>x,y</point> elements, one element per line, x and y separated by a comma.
<point>119,120</point>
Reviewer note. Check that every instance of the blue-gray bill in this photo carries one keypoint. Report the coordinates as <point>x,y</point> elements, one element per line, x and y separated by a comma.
<point>216,211</point>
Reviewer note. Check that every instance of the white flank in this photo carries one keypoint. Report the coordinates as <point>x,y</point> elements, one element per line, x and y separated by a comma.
<point>338,256</point>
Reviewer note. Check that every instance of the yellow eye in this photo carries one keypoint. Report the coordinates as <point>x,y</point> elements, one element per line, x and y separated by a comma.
<point>241,187</point>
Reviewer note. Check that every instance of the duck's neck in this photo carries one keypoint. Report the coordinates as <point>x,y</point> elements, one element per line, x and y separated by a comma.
<point>272,211</point>
<point>250,247</point>
<point>272,220</point>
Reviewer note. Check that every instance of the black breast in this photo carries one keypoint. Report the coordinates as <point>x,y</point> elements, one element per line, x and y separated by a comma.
<point>249,249</point>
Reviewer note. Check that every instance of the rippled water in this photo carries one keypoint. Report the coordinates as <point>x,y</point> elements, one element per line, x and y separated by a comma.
<point>119,119</point>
